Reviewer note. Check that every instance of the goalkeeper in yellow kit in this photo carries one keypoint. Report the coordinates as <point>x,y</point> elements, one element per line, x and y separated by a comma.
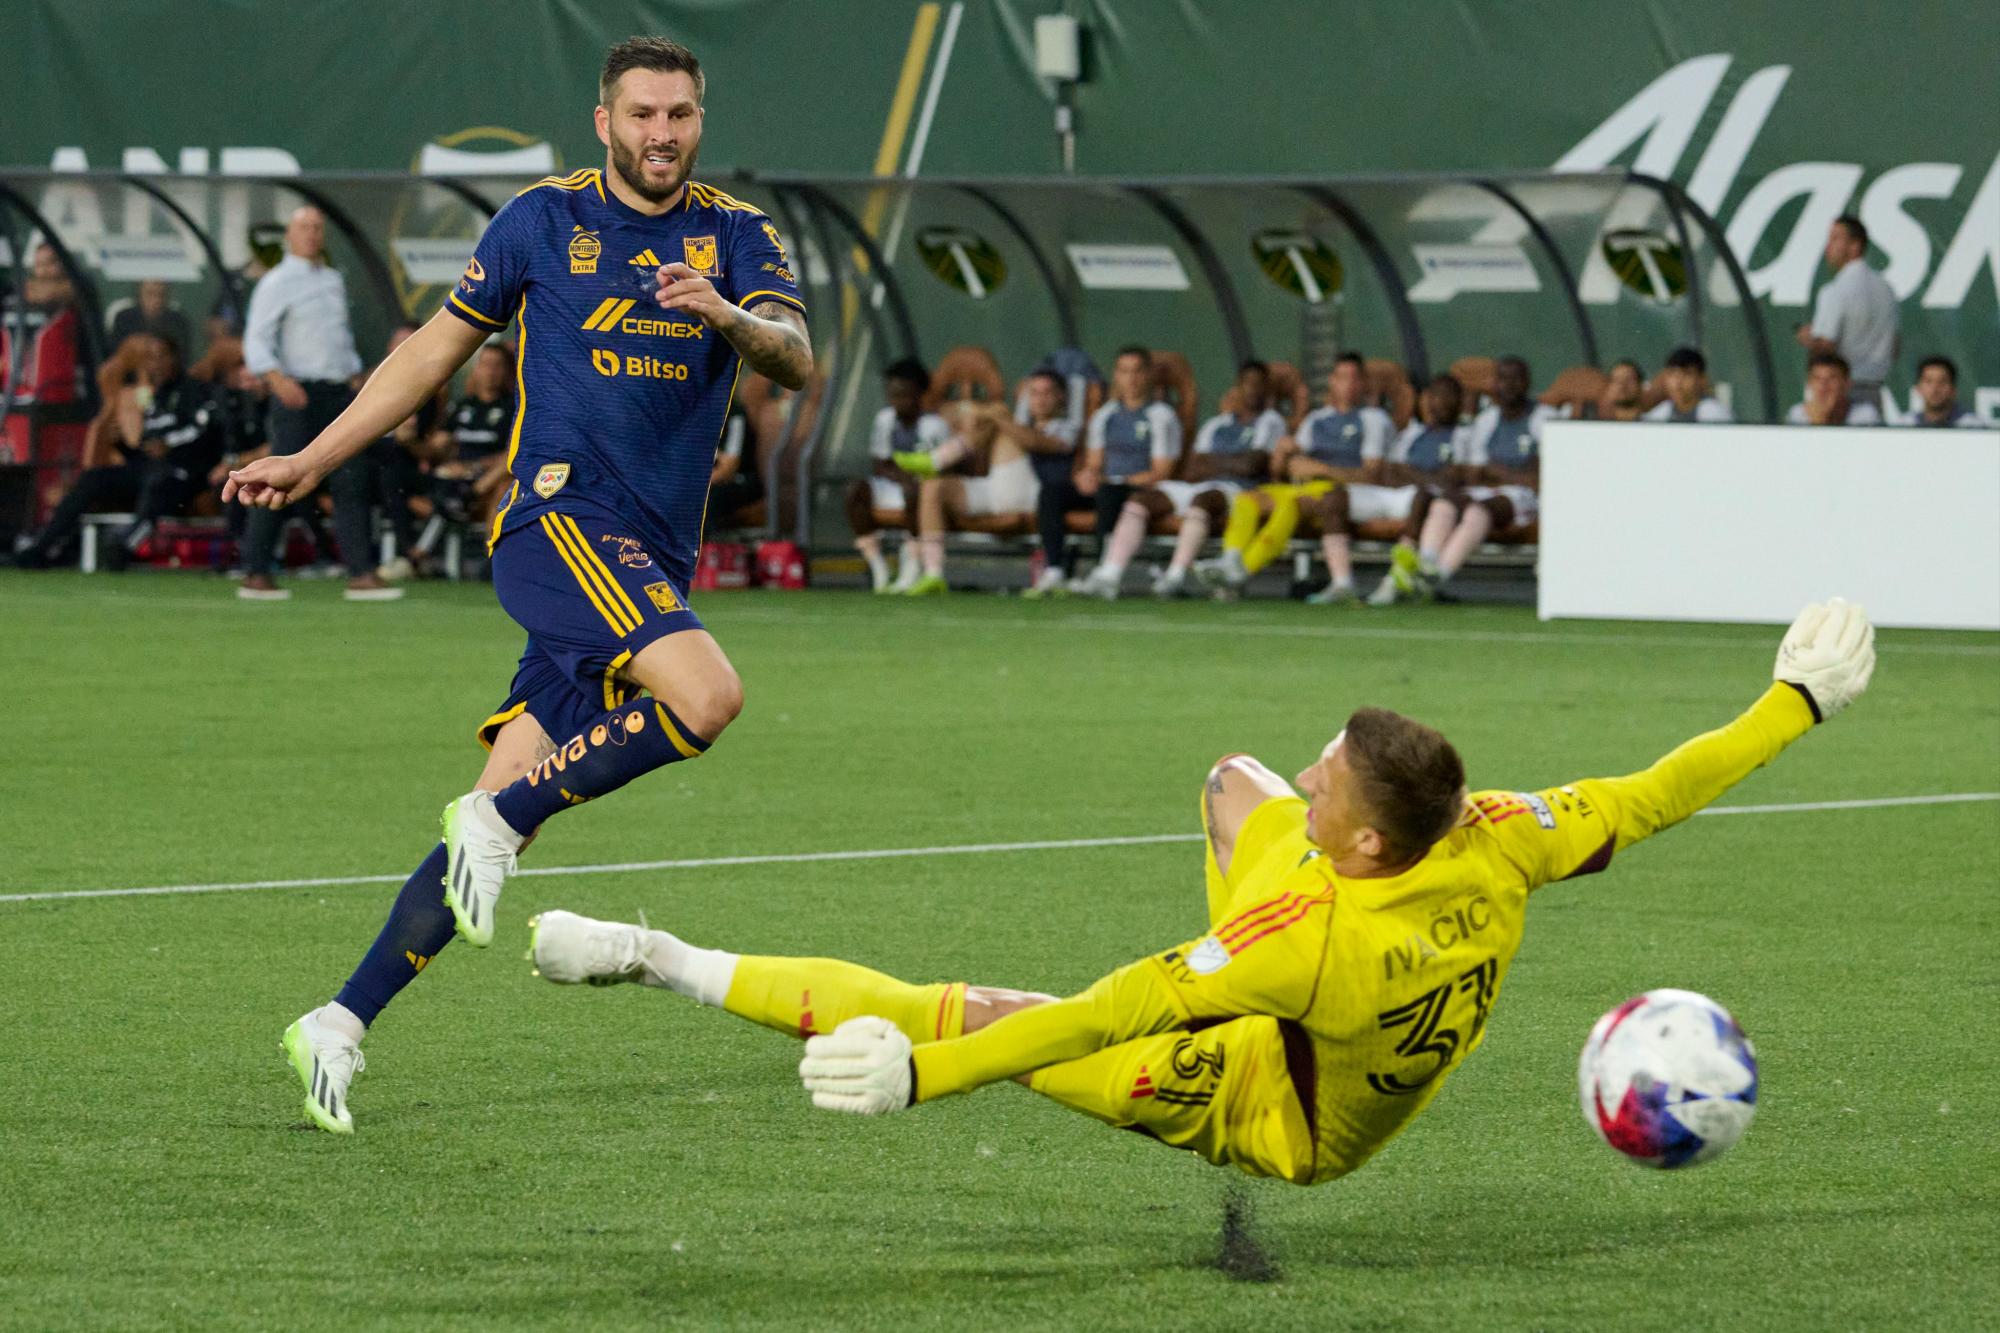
<point>1357,941</point>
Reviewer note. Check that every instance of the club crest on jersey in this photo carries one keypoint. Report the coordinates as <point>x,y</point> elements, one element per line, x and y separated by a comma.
<point>700,253</point>
<point>663,599</point>
<point>551,478</point>
<point>584,248</point>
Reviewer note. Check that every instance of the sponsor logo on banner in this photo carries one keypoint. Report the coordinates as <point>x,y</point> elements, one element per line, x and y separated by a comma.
<point>1130,268</point>
<point>1451,269</point>
<point>584,248</point>
<point>551,478</point>
<point>486,150</point>
<point>140,258</point>
<point>700,254</point>
<point>436,260</point>
<point>662,597</point>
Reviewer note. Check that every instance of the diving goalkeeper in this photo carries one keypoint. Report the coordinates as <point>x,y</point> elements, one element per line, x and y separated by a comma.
<point>1358,939</point>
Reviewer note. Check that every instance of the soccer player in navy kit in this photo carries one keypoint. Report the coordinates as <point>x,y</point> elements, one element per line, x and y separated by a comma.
<point>640,294</point>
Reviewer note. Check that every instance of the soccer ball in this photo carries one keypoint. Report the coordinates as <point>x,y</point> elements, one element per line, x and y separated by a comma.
<point>1668,1079</point>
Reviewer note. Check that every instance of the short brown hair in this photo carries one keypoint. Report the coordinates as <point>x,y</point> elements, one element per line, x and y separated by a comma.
<point>1410,779</point>
<point>659,54</point>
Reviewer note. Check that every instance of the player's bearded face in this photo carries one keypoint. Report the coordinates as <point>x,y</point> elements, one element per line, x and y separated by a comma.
<point>653,130</point>
<point>653,164</point>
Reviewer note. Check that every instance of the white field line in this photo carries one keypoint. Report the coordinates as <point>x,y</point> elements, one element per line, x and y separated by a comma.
<point>720,615</point>
<point>884,853</point>
<point>1232,628</point>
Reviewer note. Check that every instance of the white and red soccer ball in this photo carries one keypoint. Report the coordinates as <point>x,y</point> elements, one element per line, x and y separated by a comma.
<point>1668,1079</point>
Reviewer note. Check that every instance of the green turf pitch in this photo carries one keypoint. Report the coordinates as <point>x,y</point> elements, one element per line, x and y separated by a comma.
<point>529,1157</point>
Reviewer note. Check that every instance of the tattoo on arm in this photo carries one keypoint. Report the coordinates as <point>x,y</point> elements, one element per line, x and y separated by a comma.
<point>771,337</point>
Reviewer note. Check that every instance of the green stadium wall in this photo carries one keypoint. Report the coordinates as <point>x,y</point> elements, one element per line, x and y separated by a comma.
<point>1774,117</point>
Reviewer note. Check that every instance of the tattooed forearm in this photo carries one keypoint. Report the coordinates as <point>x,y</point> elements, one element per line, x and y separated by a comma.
<point>771,337</point>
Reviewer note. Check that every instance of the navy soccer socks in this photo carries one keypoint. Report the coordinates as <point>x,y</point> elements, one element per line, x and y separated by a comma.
<point>620,745</point>
<point>418,926</point>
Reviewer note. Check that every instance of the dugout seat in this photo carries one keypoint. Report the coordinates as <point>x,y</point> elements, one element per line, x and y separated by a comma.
<point>1389,388</point>
<point>1174,383</point>
<point>965,374</point>
<point>1576,390</point>
<point>1475,373</point>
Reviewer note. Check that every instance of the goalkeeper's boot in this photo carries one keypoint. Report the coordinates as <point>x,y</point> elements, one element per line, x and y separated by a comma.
<point>567,949</point>
<point>479,855</point>
<point>326,1062</point>
<point>916,463</point>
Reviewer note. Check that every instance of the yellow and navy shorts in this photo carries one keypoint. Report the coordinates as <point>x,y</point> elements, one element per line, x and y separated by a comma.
<point>591,598</point>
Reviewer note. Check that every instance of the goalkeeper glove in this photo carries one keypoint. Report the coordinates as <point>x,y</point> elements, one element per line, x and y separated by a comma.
<point>1828,655</point>
<point>862,1066</point>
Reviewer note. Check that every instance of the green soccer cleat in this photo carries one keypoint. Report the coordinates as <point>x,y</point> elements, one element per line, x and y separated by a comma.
<point>916,463</point>
<point>1412,579</point>
<point>930,585</point>
<point>479,855</point>
<point>326,1063</point>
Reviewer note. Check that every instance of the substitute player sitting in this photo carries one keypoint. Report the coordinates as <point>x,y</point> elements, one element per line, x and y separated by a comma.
<point>640,294</point>
<point>1342,444</point>
<point>1231,450</point>
<point>1357,941</point>
<point>1503,463</point>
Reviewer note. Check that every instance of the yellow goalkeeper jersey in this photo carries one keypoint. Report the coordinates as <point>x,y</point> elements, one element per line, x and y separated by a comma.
<point>1392,979</point>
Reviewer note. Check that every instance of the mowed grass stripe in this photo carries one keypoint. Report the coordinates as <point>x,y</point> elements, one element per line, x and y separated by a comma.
<point>893,853</point>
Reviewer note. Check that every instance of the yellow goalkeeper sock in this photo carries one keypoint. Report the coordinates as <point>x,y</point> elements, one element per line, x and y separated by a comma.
<point>1242,523</point>
<point>1276,534</point>
<point>804,996</point>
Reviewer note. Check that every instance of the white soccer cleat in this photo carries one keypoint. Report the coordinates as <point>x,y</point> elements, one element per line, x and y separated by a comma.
<point>1385,593</point>
<point>1049,583</point>
<point>1099,583</point>
<point>1169,584</point>
<point>326,1062</point>
<point>569,949</point>
<point>479,855</point>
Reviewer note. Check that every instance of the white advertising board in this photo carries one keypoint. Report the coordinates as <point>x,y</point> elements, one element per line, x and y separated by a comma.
<point>1749,523</point>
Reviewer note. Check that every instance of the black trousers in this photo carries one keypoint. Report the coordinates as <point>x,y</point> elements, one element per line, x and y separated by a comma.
<point>96,490</point>
<point>351,487</point>
<point>1061,498</point>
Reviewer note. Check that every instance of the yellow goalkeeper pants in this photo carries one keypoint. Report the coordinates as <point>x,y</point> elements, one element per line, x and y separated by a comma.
<point>1261,545</point>
<point>1224,1092</point>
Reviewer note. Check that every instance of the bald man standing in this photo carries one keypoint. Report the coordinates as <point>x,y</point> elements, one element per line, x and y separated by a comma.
<point>298,341</point>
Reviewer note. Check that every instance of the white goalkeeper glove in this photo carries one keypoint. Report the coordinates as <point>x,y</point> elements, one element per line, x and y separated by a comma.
<point>1829,652</point>
<point>862,1066</point>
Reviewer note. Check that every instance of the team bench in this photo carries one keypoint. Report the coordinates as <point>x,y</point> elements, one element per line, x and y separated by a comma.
<point>1014,535</point>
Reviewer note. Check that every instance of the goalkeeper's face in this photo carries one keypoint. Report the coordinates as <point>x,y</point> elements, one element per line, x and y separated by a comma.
<point>653,129</point>
<point>1336,818</point>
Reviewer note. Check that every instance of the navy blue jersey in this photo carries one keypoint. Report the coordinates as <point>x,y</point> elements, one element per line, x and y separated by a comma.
<point>619,404</point>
